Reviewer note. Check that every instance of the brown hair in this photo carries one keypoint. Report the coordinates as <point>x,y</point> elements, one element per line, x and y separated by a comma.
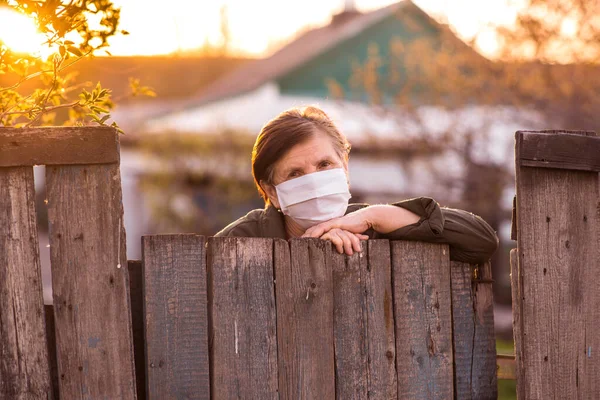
<point>286,130</point>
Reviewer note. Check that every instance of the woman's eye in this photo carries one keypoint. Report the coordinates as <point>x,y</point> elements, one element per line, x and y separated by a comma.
<point>325,164</point>
<point>294,174</point>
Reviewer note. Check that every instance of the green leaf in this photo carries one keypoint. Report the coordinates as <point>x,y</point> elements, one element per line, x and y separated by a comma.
<point>94,117</point>
<point>75,50</point>
<point>103,119</point>
<point>99,109</point>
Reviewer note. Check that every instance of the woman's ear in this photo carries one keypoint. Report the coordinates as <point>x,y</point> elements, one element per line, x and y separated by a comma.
<point>271,192</point>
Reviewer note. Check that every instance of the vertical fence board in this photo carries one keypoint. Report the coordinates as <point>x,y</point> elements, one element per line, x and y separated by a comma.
<point>364,324</point>
<point>559,278</point>
<point>559,269</point>
<point>136,299</point>
<point>350,324</point>
<point>89,282</point>
<point>242,318</point>
<point>24,371</point>
<point>175,315</point>
<point>304,319</point>
<point>377,276</point>
<point>422,311</point>
<point>473,332</point>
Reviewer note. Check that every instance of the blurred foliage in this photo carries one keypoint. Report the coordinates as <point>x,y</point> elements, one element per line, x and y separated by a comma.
<point>552,58</point>
<point>71,37</point>
<point>188,189</point>
<point>548,62</point>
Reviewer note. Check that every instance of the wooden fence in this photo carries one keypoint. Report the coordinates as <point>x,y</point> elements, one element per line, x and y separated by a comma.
<point>556,268</point>
<point>218,317</point>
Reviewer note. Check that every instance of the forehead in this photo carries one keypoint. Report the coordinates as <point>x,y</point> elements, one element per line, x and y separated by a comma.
<point>315,149</point>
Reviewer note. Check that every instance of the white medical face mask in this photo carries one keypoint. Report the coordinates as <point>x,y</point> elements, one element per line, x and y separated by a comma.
<point>315,198</point>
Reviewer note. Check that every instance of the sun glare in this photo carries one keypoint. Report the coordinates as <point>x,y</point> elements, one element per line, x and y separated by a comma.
<point>19,33</point>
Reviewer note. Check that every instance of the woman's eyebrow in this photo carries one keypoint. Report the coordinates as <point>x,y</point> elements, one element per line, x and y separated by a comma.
<point>291,169</point>
<point>326,158</point>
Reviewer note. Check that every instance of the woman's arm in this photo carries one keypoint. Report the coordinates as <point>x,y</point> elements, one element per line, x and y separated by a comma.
<point>470,238</point>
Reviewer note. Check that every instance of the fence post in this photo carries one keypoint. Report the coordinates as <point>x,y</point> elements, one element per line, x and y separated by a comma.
<point>89,266</point>
<point>558,232</point>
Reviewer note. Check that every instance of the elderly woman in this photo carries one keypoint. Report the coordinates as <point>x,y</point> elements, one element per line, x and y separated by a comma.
<point>300,167</point>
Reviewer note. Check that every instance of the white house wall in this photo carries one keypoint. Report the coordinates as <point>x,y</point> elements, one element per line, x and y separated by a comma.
<point>491,128</point>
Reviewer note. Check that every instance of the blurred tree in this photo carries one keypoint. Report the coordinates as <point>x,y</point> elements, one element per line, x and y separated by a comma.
<point>551,58</point>
<point>191,191</point>
<point>71,37</point>
<point>445,94</point>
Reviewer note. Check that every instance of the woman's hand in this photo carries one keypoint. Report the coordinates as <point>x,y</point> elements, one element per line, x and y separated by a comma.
<point>355,222</point>
<point>382,218</point>
<point>344,241</point>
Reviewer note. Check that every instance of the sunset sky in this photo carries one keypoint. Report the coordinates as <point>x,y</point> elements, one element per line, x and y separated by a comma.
<point>256,26</point>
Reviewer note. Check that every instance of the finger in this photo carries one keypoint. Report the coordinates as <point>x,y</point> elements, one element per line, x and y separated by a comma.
<point>317,230</point>
<point>362,237</point>
<point>354,239</point>
<point>346,237</point>
<point>334,238</point>
<point>322,228</point>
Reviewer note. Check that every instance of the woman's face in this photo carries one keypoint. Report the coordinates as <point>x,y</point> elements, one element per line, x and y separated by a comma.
<point>315,154</point>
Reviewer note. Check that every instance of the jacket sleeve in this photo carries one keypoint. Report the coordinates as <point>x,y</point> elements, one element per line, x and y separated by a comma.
<point>470,238</point>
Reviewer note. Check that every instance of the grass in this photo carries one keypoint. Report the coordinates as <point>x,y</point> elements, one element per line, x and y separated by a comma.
<point>507,390</point>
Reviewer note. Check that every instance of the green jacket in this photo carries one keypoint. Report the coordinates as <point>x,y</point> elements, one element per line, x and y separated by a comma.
<point>469,237</point>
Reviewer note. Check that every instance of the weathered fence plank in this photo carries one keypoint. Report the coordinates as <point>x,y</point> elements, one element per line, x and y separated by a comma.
<point>89,282</point>
<point>242,318</point>
<point>560,149</point>
<point>422,311</point>
<point>364,323</point>
<point>473,332</point>
<point>136,299</point>
<point>24,371</point>
<point>559,265</point>
<point>382,378</point>
<point>175,315</point>
<point>304,319</point>
<point>58,146</point>
<point>350,324</point>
